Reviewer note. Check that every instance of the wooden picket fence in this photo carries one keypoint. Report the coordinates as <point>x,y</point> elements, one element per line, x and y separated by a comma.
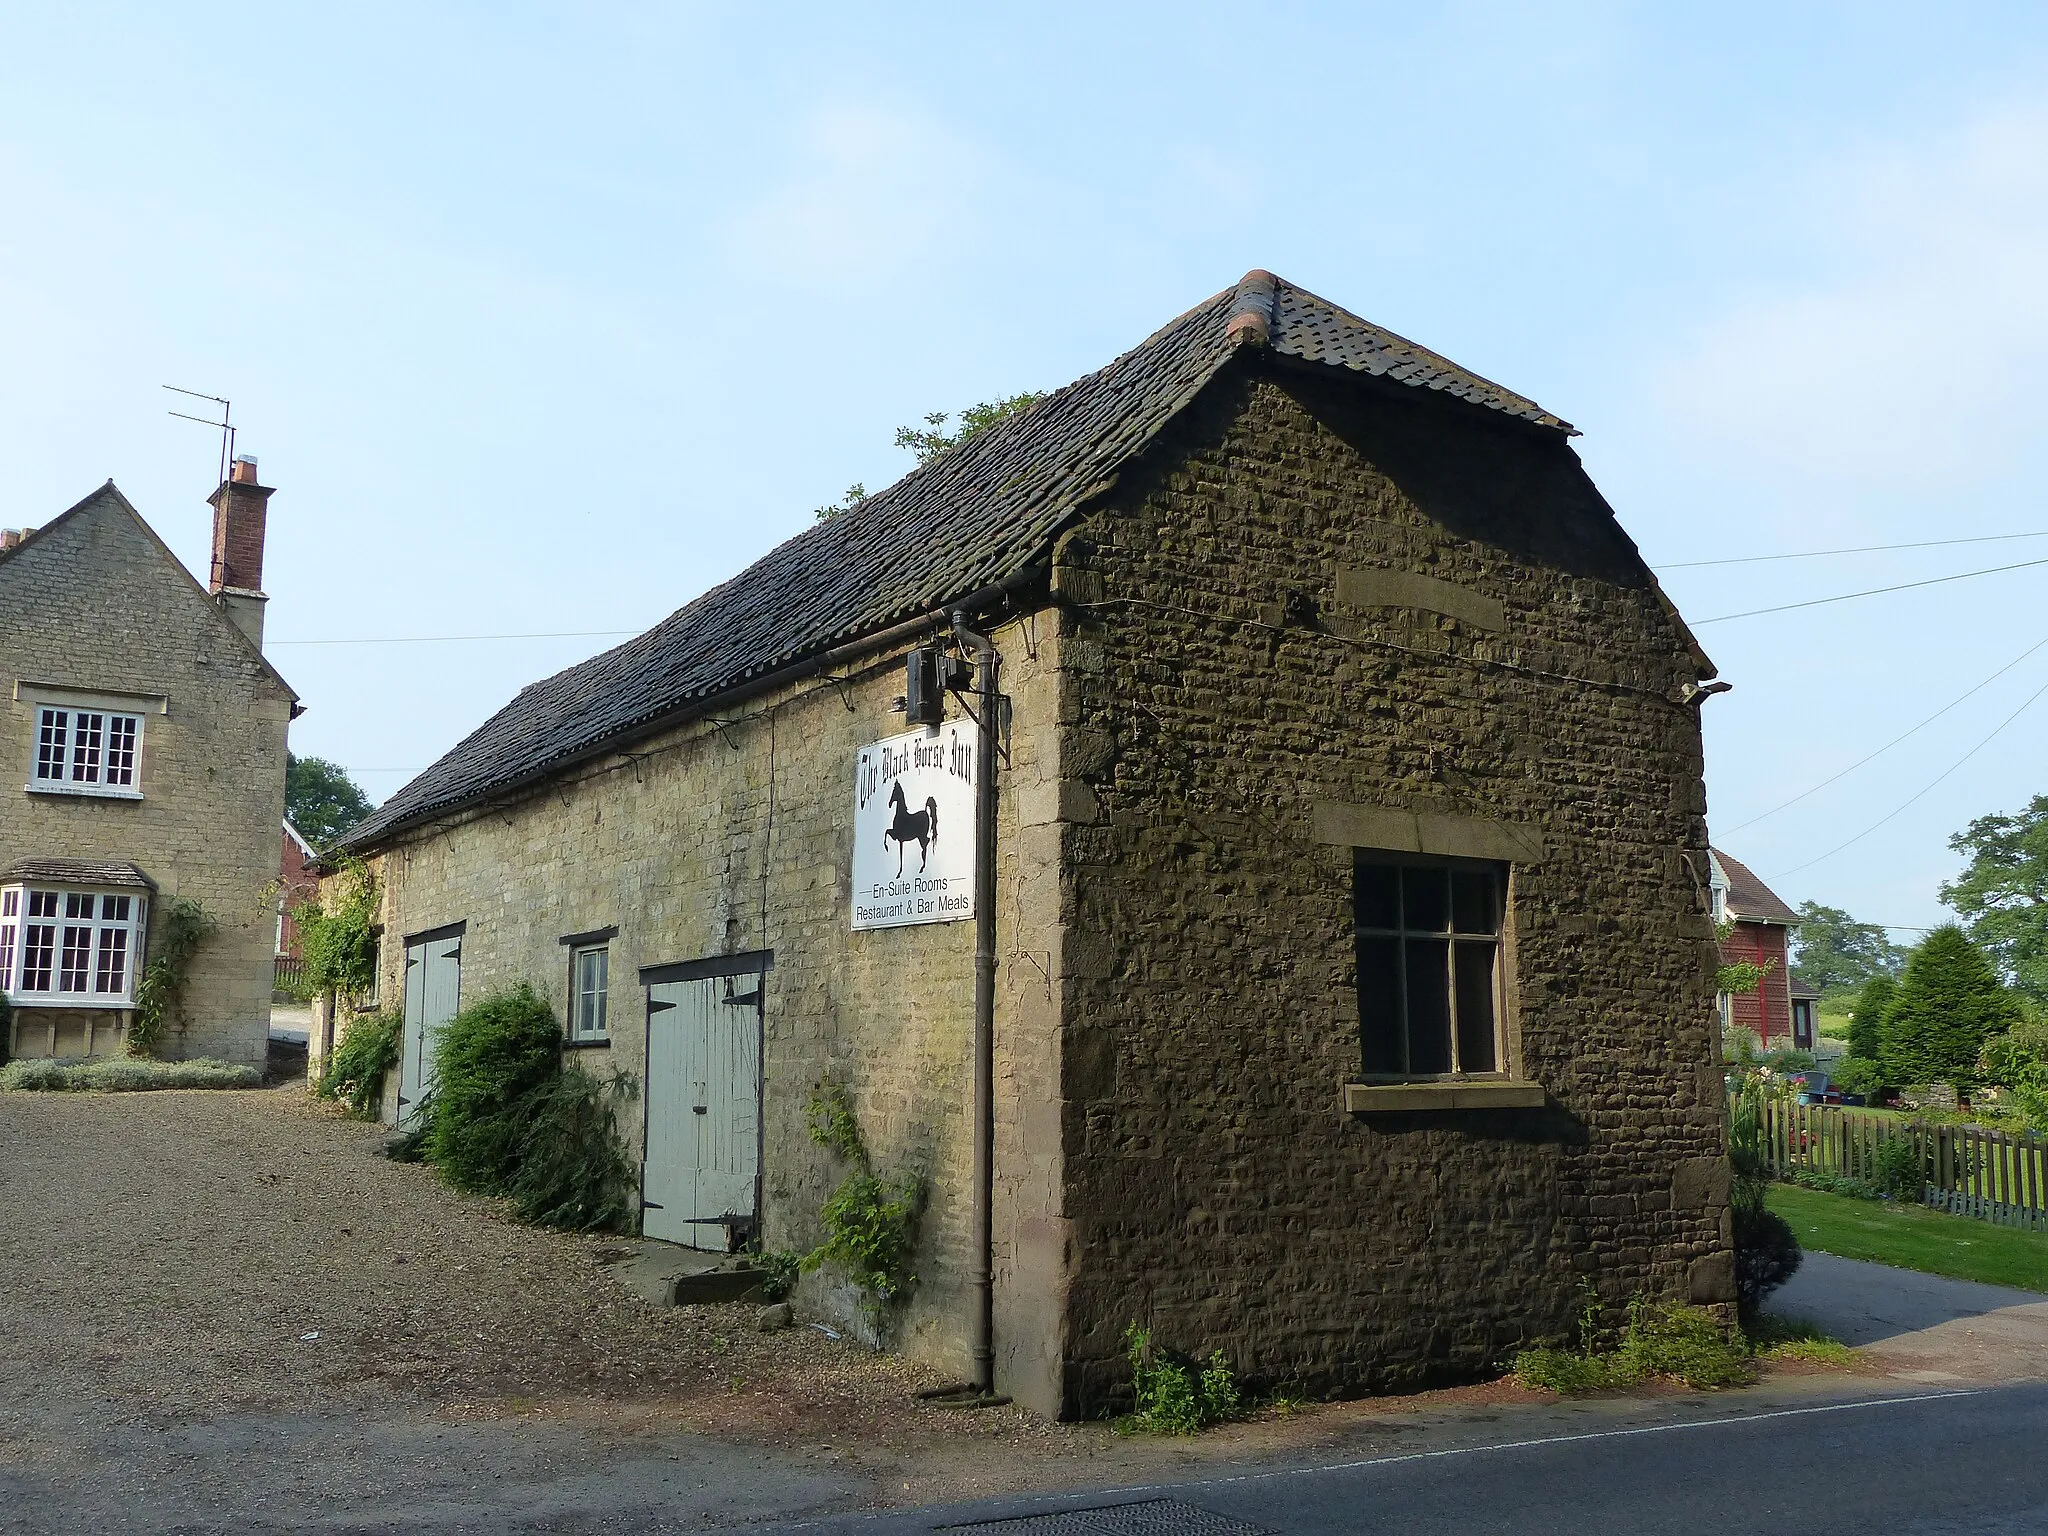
<point>1970,1170</point>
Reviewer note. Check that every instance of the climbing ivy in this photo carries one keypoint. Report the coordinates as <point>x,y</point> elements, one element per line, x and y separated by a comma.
<point>870,1222</point>
<point>182,924</point>
<point>337,938</point>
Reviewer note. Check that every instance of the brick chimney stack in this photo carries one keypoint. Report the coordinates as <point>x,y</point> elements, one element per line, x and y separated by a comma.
<point>240,508</point>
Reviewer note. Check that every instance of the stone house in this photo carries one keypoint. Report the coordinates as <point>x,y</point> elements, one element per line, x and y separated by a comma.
<point>149,731</point>
<point>1352,996</point>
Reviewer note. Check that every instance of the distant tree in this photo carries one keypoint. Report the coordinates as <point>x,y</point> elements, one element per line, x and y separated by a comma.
<point>1832,950</point>
<point>932,439</point>
<point>2003,895</point>
<point>1866,1020</point>
<point>321,800</point>
<point>1948,1005</point>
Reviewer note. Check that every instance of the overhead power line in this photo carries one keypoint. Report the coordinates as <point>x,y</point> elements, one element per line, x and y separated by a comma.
<point>1951,704</point>
<point>556,634</point>
<point>1860,549</point>
<point>1843,597</point>
<point>1910,800</point>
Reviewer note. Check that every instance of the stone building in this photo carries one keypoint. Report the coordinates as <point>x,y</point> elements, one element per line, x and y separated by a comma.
<point>1353,994</point>
<point>150,735</point>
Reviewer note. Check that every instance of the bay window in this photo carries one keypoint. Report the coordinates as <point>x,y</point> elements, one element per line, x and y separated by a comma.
<point>70,948</point>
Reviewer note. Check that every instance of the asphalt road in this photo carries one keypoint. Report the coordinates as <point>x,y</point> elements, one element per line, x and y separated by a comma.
<point>1968,1461</point>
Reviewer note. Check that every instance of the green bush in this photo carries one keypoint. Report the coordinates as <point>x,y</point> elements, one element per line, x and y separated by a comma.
<point>124,1075</point>
<point>1856,1075</point>
<point>357,1066</point>
<point>572,1173</point>
<point>35,1077</point>
<point>1897,1169</point>
<point>491,1056</point>
<point>1174,1395</point>
<point>779,1270</point>
<point>505,1117</point>
<point>1834,1184</point>
<point>6,1026</point>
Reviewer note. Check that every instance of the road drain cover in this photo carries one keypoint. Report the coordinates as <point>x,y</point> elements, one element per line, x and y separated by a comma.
<point>1151,1517</point>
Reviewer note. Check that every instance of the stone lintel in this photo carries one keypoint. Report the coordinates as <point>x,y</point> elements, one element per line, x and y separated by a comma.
<point>1451,837</point>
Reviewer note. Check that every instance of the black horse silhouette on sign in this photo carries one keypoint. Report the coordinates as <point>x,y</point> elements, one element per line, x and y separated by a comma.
<point>908,826</point>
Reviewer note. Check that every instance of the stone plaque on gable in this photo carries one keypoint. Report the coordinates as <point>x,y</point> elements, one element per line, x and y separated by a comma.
<point>913,829</point>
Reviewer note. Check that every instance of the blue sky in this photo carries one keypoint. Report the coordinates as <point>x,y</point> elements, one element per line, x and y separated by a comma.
<point>547,323</point>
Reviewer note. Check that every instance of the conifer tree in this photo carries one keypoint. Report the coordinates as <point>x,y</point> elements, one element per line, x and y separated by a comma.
<point>1948,1005</point>
<point>1866,1022</point>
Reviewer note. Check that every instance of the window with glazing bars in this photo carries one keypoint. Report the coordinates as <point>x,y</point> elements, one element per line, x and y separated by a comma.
<point>589,984</point>
<point>71,944</point>
<point>86,747</point>
<point>1429,965</point>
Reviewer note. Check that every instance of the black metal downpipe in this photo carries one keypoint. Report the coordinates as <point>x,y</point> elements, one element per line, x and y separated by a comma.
<point>981,1334</point>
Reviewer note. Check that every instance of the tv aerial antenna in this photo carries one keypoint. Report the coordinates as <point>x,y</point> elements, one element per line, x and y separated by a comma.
<point>225,426</point>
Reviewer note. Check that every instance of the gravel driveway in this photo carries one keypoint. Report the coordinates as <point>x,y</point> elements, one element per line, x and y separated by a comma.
<point>239,1286</point>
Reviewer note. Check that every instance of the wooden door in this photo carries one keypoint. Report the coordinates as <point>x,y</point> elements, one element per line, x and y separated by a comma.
<point>701,1177</point>
<point>433,996</point>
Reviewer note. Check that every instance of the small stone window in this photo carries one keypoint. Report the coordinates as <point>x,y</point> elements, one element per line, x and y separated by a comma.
<point>1429,965</point>
<point>85,752</point>
<point>589,988</point>
<point>70,947</point>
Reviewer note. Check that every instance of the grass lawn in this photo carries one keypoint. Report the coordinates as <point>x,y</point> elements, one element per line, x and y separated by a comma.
<point>1913,1237</point>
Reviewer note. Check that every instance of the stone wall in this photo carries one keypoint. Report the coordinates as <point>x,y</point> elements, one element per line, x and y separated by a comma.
<point>97,604</point>
<point>723,839</point>
<point>1255,640</point>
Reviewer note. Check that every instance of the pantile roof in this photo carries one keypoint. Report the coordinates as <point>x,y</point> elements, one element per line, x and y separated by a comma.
<point>982,513</point>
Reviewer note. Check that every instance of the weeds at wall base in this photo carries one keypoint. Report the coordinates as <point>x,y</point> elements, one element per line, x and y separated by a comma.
<point>1679,1344</point>
<point>1174,1395</point>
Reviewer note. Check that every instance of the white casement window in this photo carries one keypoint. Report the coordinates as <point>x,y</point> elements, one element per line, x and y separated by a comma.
<point>75,948</point>
<point>589,982</point>
<point>86,751</point>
